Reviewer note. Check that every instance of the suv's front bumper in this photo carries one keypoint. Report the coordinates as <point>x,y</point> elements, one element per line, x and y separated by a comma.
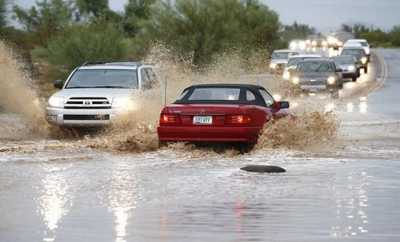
<point>81,117</point>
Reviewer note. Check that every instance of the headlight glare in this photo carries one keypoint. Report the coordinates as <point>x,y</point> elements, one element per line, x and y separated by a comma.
<point>286,75</point>
<point>352,68</point>
<point>331,80</point>
<point>296,80</point>
<point>272,65</point>
<point>364,60</point>
<point>56,102</point>
<point>126,104</point>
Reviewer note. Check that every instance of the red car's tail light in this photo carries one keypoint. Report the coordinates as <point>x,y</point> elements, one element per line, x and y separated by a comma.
<point>167,119</point>
<point>238,119</point>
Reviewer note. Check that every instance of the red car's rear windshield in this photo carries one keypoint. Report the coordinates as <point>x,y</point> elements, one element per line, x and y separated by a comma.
<point>214,94</point>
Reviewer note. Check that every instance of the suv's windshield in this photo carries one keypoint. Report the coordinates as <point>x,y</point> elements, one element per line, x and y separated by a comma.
<point>280,55</point>
<point>104,78</point>
<point>353,52</point>
<point>343,60</point>
<point>296,60</point>
<point>315,66</point>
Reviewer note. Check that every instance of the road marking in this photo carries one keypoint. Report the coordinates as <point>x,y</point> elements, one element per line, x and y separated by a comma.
<point>384,72</point>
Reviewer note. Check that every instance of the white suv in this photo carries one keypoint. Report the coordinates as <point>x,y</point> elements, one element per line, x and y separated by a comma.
<point>96,93</point>
<point>359,42</point>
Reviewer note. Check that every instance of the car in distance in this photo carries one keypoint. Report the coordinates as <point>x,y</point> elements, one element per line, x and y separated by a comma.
<point>97,93</point>
<point>359,53</point>
<point>349,65</point>
<point>293,61</point>
<point>360,42</point>
<point>219,113</point>
<point>318,75</point>
<point>279,59</point>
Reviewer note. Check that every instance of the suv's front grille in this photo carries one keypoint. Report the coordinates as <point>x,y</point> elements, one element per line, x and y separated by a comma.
<point>87,103</point>
<point>87,117</point>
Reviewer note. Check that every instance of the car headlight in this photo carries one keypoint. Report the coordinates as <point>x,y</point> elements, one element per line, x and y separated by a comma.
<point>296,80</point>
<point>302,45</point>
<point>293,45</point>
<point>286,75</point>
<point>331,80</point>
<point>364,60</point>
<point>367,51</point>
<point>351,68</point>
<point>272,65</point>
<point>125,103</point>
<point>56,102</point>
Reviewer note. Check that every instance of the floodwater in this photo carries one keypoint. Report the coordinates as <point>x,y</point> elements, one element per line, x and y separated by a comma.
<point>349,191</point>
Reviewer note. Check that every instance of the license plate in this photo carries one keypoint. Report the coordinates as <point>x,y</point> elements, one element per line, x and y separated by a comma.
<point>202,120</point>
<point>313,87</point>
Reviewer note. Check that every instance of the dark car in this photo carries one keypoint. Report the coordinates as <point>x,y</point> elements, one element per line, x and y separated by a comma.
<point>359,54</point>
<point>219,113</point>
<point>349,65</point>
<point>318,75</point>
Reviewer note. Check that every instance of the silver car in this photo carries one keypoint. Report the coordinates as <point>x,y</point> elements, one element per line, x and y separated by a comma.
<point>279,59</point>
<point>96,94</point>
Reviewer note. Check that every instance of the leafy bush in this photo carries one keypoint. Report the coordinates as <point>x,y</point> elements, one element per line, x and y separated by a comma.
<point>86,43</point>
<point>203,28</point>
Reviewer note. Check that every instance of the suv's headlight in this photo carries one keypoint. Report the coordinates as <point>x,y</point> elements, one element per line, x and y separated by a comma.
<point>124,103</point>
<point>352,68</point>
<point>286,75</point>
<point>296,80</point>
<point>272,65</point>
<point>56,102</point>
<point>331,80</point>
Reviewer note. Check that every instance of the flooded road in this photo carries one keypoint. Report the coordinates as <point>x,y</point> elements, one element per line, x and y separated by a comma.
<point>349,191</point>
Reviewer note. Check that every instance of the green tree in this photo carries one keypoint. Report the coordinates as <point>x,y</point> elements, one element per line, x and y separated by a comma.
<point>204,28</point>
<point>79,44</point>
<point>93,7</point>
<point>136,11</point>
<point>297,31</point>
<point>46,19</point>
<point>3,14</point>
<point>395,36</point>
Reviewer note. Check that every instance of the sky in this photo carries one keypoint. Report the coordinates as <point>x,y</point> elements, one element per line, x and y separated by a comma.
<point>325,15</point>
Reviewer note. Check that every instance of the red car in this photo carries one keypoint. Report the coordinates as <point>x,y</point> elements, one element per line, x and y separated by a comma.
<point>219,113</point>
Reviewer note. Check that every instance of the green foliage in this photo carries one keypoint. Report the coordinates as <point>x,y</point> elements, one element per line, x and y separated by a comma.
<point>136,11</point>
<point>92,7</point>
<point>296,31</point>
<point>79,44</point>
<point>395,36</point>
<point>375,36</point>
<point>203,28</point>
<point>3,14</point>
<point>46,19</point>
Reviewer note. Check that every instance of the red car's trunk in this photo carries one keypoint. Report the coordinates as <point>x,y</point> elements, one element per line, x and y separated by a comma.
<point>222,115</point>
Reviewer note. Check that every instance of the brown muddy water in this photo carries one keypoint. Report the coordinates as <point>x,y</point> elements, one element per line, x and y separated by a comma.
<point>342,158</point>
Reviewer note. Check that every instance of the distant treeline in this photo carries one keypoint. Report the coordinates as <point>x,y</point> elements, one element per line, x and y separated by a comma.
<point>375,36</point>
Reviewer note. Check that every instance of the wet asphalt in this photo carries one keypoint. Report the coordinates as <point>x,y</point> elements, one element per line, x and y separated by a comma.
<point>350,193</point>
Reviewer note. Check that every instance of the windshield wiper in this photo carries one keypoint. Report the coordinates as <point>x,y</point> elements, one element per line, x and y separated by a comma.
<point>109,87</point>
<point>119,87</point>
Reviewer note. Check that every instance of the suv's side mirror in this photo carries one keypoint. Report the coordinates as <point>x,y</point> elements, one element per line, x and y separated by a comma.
<point>58,84</point>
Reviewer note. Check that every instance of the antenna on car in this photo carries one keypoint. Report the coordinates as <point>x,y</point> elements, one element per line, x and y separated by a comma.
<point>165,90</point>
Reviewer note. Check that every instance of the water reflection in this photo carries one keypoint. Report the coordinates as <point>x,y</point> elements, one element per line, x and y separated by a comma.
<point>122,200</point>
<point>53,202</point>
<point>351,204</point>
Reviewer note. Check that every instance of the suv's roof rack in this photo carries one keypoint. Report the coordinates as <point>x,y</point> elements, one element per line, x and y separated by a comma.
<point>121,63</point>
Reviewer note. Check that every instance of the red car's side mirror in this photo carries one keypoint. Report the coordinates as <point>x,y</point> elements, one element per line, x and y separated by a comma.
<point>281,105</point>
